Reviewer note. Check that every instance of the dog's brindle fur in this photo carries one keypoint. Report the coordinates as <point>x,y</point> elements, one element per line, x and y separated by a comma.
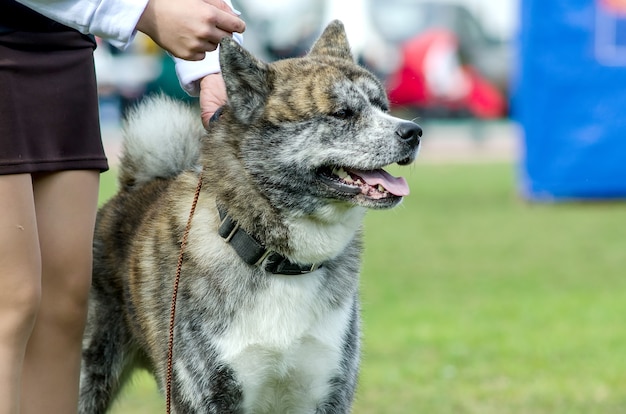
<point>246,341</point>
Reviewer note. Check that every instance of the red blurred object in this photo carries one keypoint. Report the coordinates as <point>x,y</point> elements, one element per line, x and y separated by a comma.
<point>432,76</point>
<point>616,6</point>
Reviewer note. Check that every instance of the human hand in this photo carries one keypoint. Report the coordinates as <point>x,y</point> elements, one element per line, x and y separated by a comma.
<point>212,96</point>
<point>189,28</point>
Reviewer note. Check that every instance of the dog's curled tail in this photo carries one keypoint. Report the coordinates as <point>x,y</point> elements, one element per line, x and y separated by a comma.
<point>162,138</point>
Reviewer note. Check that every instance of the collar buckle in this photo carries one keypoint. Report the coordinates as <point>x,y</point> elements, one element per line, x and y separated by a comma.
<point>263,257</point>
<point>229,231</point>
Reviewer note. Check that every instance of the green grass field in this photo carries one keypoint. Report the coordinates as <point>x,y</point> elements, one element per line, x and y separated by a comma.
<point>476,302</point>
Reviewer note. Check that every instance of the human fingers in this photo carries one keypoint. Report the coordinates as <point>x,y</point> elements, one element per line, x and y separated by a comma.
<point>190,29</point>
<point>221,4</point>
<point>228,22</point>
<point>195,44</point>
<point>212,96</point>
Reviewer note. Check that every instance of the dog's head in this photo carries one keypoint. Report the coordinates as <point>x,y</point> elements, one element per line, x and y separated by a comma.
<point>314,131</point>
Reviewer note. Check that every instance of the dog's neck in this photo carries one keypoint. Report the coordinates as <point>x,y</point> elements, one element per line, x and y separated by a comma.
<point>231,187</point>
<point>255,253</point>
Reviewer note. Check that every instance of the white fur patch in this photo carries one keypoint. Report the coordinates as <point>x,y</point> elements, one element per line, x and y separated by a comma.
<point>286,346</point>
<point>323,236</point>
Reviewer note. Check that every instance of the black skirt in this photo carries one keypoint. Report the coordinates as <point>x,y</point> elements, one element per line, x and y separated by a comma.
<point>49,117</point>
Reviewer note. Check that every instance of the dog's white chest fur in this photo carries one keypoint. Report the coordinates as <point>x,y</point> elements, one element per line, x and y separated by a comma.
<point>285,346</point>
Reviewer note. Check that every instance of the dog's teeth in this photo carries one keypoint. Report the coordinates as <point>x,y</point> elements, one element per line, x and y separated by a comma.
<point>381,188</point>
<point>343,175</point>
<point>340,172</point>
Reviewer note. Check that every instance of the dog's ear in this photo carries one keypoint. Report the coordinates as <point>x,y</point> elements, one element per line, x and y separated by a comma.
<point>246,79</point>
<point>333,42</point>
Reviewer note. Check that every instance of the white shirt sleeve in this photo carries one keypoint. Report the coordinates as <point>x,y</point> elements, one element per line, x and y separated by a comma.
<point>114,20</point>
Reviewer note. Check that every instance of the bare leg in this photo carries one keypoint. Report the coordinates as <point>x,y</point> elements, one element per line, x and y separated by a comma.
<point>20,281</point>
<point>65,204</point>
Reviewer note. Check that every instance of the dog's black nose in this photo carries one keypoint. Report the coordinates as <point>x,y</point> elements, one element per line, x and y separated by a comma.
<point>409,132</point>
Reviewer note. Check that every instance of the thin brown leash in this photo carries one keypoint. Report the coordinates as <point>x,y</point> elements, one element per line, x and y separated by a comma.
<point>170,345</point>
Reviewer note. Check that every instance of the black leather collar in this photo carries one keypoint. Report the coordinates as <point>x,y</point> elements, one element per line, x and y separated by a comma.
<point>254,253</point>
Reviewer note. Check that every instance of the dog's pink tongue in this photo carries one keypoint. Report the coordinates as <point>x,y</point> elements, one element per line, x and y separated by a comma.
<point>395,185</point>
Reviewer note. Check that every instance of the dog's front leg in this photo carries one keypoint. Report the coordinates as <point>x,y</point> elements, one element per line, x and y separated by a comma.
<point>343,385</point>
<point>201,385</point>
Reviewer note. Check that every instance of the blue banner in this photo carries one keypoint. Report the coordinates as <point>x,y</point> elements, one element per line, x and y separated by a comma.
<point>569,97</point>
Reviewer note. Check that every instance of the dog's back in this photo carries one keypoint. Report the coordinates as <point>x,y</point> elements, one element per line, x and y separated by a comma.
<point>267,317</point>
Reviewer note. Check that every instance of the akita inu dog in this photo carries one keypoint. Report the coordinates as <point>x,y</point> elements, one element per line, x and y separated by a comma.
<point>267,316</point>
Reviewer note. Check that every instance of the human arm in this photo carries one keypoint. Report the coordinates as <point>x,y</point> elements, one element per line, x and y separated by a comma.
<point>185,28</point>
<point>174,25</point>
<point>203,79</point>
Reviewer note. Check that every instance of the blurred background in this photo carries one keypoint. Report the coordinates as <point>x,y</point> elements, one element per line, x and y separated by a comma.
<point>438,58</point>
<point>514,79</point>
<point>498,285</point>
<point>445,61</point>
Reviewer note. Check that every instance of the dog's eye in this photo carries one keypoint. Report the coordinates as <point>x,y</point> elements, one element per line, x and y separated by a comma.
<point>344,113</point>
<point>380,104</point>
